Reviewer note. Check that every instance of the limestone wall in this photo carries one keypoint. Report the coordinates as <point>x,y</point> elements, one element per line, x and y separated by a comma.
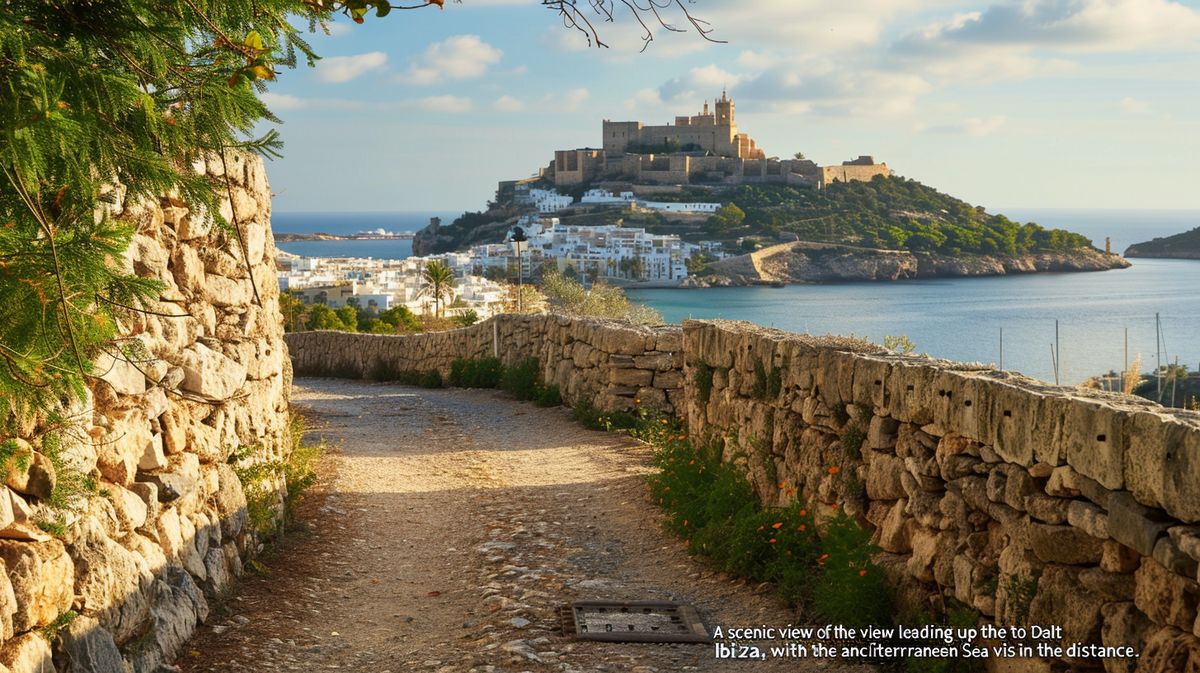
<point>1031,503</point>
<point>605,363</point>
<point>139,556</point>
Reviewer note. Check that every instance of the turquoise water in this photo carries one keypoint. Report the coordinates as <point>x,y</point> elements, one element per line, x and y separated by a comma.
<point>961,318</point>
<point>351,223</point>
<point>958,318</point>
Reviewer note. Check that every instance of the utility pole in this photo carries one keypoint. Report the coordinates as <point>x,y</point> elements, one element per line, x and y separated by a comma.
<point>1158,357</point>
<point>1057,354</point>
<point>519,237</point>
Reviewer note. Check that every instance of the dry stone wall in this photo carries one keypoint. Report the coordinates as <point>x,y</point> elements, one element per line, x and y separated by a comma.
<point>607,364</point>
<point>1027,502</point>
<point>165,531</point>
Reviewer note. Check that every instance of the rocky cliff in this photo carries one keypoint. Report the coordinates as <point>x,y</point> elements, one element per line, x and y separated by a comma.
<point>806,262</point>
<point>1179,246</point>
<point>131,516</point>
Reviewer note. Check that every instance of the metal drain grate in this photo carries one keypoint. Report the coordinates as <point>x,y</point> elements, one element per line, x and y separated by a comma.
<point>633,622</point>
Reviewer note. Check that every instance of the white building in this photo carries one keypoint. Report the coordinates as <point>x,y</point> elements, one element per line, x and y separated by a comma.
<point>607,251</point>
<point>380,284</point>
<point>603,196</point>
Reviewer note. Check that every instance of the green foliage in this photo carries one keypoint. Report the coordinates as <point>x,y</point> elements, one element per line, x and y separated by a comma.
<point>549,396</point>
<point>704,381</point>
<point>600,301</point>
<point>587,415</point>
<point>852,441</point>
<point>467,318</point>
<point>521,379</point>
<point>431,378</point>
<point>50,631</point>
<point>957,616</point>
<point>894,213</point>
<point>72,487</point>
<point>727,218</point>
<point>711,504</point>
<point>852,589</point>
<point>101,92</point>
<point>268,508</point>
<point>482,373</point>
<point>899,343</point>
<point>438,283</point>
<point>1020,596</point>
<point>840,414</point>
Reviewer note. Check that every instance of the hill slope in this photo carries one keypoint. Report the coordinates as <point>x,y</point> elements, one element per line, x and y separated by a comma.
<point>939,234</point>
<point>1179,246</point>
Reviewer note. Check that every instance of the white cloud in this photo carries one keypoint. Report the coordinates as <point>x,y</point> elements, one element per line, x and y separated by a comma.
<point>972,126</point>
<point>706,82</point>
<point>508,104</point>
<point>827,86</point>
<point>449,104</point>
<point>644,99</point>
<point>1134,106</point>
<point>282,101</point>
<point>456,57</point>
<point>575,98</point>
<point>278,102</point>
<point>1073,25</point>
<point>338,69</point>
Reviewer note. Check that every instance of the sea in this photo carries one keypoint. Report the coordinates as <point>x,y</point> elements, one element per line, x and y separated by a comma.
<point>1011,320</point>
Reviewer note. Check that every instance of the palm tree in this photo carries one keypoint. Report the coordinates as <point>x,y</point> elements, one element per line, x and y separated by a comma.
<point>439,283</point>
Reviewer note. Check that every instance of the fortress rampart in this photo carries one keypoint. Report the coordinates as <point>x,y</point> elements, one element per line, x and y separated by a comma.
<point>1024,501</point>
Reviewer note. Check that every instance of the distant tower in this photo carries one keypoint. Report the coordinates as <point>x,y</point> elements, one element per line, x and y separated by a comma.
<point>1108,244</point>
<point>705,111</point>
<point>725,110</point>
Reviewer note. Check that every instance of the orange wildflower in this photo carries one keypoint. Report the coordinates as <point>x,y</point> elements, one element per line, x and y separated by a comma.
<point>802,528</point>
<point>804,512</point>
<point>777,526</point>
<point>862,573</point>
<point>834,469</point>
<point>772,540</point>
<point>821,559</point>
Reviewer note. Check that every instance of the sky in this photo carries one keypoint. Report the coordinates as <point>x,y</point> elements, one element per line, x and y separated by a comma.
<point>1020,104</point>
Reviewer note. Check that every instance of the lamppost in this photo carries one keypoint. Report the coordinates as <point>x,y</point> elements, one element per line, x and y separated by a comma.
<point>518,237</point>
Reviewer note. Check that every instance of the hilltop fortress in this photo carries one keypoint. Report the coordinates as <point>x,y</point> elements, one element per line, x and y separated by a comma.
<point>706,148</point>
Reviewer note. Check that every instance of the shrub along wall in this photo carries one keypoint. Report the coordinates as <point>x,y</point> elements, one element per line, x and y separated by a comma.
<point>128,516</point>
<point>1030,503</point>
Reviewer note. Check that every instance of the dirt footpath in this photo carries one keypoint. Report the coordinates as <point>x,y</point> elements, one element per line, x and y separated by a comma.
<point>449,527</point>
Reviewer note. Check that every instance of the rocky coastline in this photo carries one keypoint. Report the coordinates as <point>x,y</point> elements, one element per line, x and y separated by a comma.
<point>806,262</point>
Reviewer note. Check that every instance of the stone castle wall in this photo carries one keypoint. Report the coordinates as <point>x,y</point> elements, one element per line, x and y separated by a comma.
<point>165,531</point>
<point>1027,502</point>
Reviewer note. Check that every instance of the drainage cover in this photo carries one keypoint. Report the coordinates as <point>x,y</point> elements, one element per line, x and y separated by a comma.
<point>633,622</point>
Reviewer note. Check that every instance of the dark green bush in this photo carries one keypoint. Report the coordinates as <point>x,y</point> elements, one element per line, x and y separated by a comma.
<point>521,379</point>
<point>482,373</point>
<point>429,379</point>
<point>549,396</point>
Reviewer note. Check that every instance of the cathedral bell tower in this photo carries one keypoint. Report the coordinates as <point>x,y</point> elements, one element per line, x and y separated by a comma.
<point>724,110</point>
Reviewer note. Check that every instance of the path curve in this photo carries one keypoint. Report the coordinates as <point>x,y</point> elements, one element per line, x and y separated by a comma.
<point>449,527</point>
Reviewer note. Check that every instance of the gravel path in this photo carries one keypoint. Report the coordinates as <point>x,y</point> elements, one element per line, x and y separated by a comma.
<point>447,530</point>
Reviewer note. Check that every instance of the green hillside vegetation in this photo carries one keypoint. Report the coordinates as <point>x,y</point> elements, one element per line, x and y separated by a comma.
<point>1185,245</point>
<point>890,213</point>
<point>893,213</point>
